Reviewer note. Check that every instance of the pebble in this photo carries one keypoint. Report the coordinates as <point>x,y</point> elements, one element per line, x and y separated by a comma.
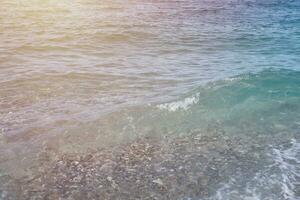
<point>158,181</point>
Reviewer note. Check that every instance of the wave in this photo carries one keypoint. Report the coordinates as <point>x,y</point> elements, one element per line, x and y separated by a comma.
<point>264,102</point>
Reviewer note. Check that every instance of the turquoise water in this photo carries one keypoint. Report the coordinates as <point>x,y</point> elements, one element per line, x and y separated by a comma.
<point>87,74</point>
<point>253,101</point>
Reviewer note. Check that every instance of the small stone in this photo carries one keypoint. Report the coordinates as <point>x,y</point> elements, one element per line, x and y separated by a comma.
<point>109,179</point>
<point>114,185</point>
<point>158,181</point>
<point>76,162</point>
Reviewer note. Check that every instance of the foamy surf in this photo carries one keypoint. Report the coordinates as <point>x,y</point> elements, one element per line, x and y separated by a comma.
<point>184,104</point>
<point>277,178</point>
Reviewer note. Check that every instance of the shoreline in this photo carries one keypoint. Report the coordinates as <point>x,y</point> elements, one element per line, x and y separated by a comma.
<point>191,166</point>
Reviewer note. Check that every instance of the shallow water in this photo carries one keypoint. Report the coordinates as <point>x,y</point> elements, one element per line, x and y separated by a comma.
<point>85,74</point>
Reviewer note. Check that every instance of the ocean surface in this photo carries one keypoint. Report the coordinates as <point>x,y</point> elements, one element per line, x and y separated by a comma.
<point>89,74</point>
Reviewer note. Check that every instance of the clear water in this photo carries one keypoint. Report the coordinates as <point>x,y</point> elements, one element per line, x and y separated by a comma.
<point>86,74</point>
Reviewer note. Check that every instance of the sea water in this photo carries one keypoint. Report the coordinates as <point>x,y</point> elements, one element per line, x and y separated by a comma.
<point>86,74</point>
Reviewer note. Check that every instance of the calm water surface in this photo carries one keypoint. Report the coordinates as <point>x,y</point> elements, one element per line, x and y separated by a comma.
<point>88,73</point>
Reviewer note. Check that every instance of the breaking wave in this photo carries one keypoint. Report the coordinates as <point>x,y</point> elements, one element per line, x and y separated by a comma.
<point>184,104</point>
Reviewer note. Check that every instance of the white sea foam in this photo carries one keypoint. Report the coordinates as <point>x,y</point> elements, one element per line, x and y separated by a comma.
<point>279,179</point>
<point>288,162</point>
<point>184,104</point>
